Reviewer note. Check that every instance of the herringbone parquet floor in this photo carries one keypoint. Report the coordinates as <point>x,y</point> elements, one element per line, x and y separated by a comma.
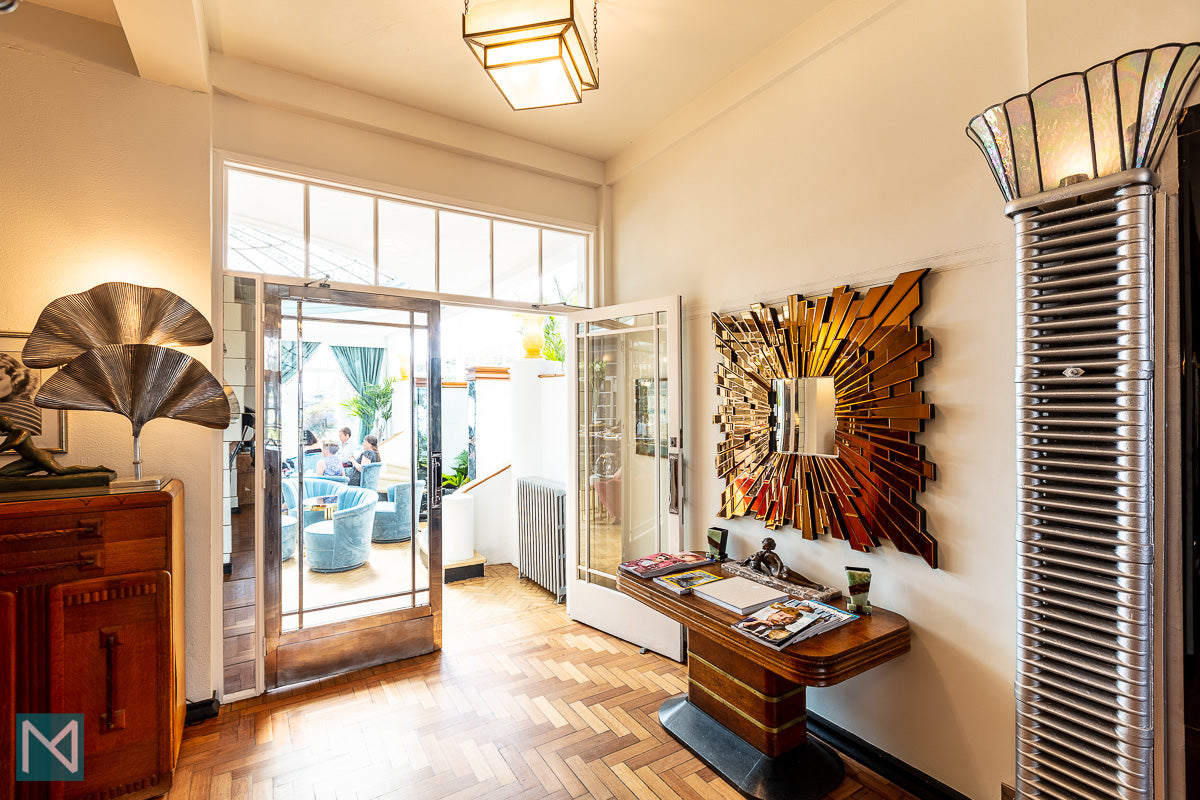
<point>520,703</point>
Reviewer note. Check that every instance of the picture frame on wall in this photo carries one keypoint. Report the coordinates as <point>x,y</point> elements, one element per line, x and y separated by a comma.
<point>18,385</point>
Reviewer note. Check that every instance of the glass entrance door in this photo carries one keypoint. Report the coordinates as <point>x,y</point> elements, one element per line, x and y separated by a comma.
<point>625,496</point>
<point>352,433</point>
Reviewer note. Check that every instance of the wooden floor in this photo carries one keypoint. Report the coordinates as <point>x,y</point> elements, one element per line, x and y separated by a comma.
<point>520,703</point>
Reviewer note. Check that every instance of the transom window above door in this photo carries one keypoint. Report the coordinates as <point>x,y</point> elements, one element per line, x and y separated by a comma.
<point>288,225</point>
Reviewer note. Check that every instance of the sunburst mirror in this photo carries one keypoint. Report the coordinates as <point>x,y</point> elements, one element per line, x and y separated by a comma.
<point>818,407</point>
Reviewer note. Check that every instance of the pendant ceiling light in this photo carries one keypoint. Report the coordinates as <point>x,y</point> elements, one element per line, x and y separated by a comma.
<point>534,50</point>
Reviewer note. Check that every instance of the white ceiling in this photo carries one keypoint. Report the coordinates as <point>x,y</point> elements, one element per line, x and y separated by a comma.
<point>655,56</point>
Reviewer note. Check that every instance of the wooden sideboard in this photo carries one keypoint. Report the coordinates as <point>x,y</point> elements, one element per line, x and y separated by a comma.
<point>91,623</point>
<point>744,712</point>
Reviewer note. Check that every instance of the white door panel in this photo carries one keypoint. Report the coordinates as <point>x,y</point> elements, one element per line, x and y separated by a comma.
<point>626,445</point>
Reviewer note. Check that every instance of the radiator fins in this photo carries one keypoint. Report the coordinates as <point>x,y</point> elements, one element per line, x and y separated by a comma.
<point>541,534</point>
<point>1084,517</point>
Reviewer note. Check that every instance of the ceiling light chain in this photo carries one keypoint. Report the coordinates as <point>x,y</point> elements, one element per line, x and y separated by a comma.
<point>595,33</point>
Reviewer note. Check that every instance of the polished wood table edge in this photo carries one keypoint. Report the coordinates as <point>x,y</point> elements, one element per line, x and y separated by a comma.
<point>101,500</point>
<point>824,660</point>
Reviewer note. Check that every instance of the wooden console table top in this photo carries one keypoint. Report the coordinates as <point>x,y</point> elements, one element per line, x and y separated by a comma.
<point>824,660</point>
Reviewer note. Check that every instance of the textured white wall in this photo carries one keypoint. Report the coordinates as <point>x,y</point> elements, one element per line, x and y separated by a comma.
<point>106,177</point>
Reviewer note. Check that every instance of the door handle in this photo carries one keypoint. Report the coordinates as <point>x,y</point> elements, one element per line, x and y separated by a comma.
<point>676,483</point>
<point>435,480</point>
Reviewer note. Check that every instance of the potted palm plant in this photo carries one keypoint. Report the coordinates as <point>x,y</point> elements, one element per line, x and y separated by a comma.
<point>373,404</point>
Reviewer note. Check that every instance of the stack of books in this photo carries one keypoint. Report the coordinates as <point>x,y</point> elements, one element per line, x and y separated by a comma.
<point>739,595</point>
<point>780,624</point>
<point>663,563</point>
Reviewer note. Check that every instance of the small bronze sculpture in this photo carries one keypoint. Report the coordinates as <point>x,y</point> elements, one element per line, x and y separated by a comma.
<point>768,562</point>
<point>19,474</point>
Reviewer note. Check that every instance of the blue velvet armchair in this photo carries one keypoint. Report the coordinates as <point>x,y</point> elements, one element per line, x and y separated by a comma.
<point>289,525</point>
<point>393,517</point>
<point>344,542</point>
<point>370,475</point>
<point>318,487</point>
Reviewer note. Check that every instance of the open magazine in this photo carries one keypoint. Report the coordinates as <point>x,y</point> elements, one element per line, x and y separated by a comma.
<point>781,624</point>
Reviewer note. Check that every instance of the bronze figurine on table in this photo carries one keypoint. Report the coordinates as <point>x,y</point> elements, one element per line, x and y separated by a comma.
<point>768,562</point>
<point>19,474</point>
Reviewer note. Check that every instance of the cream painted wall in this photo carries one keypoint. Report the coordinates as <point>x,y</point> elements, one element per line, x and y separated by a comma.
<point>384,162</point>
<point>1098,30</point>
<point>106,177</point>
<point>849,169</point>
<point>852,168</point>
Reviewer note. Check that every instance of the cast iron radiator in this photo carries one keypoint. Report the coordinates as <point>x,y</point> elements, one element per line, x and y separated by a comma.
<point>541,534</point>
<point>1085,535</point>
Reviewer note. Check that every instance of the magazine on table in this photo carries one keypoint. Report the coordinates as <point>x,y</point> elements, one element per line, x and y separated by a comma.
<point>781,624</point>
<point>684,582</point>
<point>663,563</point>
<point>778,624</point>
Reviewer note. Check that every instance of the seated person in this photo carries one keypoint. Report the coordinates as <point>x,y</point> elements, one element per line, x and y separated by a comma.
<point>347,450</point>
<point>330,465</point>
<point>369,455</point>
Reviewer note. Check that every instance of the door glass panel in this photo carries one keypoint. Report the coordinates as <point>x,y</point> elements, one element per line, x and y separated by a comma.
<point>354,552</point>
<point>623,476</point>
<point>636,321</point>
<point>424,482</point>
<point>341,235</point>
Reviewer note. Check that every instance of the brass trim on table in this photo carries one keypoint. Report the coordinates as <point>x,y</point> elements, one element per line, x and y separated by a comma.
<point>798,720</point>
<point>744,685</point>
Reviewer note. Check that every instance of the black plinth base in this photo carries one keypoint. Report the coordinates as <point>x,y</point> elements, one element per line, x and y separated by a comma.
<point>807,772</point>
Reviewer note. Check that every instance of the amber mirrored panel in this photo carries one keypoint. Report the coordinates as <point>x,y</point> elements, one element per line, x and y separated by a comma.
<point>867,490</point>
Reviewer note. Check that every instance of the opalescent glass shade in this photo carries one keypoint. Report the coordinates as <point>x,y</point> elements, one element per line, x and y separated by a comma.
<point>535,51</point>
<point>1113,117</point>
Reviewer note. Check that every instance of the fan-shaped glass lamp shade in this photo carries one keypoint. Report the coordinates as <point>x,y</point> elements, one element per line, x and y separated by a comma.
<point>141,382</point>
<point>113,314</point>
<point>1113,117</point>
<point>536,51</point>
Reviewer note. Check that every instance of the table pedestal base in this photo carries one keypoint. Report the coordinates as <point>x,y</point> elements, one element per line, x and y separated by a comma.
<point>807,772</point>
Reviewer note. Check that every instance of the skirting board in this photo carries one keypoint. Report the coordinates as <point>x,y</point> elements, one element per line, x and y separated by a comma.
<point>884,765</point>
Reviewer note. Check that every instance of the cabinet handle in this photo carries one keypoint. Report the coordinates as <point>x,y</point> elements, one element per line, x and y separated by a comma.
<point>113,718</point>
<point>87,529</point>
<point>84,561</point>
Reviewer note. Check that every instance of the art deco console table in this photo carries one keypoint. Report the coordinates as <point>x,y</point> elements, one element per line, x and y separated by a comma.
<point>744,712</point>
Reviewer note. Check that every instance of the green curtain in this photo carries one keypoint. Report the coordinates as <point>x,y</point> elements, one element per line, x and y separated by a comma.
<point>288,364</point>
<point>360,365</point>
